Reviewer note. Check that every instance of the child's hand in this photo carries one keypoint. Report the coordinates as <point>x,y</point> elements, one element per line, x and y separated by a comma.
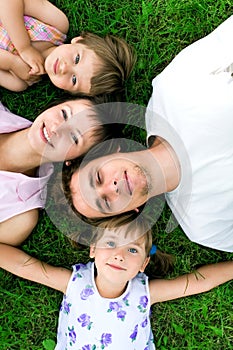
<point>34,60</point>
<point>22,71</point>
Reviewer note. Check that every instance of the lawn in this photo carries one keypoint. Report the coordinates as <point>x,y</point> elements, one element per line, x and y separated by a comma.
<point>157,30</point>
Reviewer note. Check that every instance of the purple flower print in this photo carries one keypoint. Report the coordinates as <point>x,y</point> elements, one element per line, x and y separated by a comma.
<point>121,315</point>
<point>114,306</point>
<point>88,347</point>
<point>65,307</point>
<point>133,336</point>
<point>72,335</point>
<point>144,301</point>
<point>76,271</point>
<point>106,339</point>
<point>125,299</point>
<point>144,323</point>
<point>84,319</point>
<point>86,292</point>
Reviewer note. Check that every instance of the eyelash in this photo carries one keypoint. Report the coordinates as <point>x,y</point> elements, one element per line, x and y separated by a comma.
<point>64,114</point>
<point>77,58</point>
<point>111,244</point>
<point>134,250</point>
<point>98,178</point>
<point>76,61</point>
<point>75,139</point>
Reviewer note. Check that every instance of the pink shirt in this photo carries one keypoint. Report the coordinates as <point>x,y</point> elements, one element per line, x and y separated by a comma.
<point>20,193</point>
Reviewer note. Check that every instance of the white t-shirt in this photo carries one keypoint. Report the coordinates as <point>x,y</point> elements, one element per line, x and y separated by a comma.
<point>194,97</point>
<point>89,321</point>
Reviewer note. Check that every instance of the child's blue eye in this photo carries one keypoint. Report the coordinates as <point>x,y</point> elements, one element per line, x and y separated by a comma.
<point>111,244</point>
<point>77,58</point>
<point>132,250</point>
<point>74,79</point>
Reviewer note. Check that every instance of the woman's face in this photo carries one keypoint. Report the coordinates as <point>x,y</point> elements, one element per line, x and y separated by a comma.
<point>64,132</point>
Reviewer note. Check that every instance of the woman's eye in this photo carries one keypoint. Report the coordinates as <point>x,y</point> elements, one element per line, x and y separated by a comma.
<point>74,138</point>
<point>64,114</point>
<point>77,58</point>
<point>132,250</point>
<point>74,80</point>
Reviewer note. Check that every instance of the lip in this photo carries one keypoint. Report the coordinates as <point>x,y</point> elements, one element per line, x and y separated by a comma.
<point>55,66</point>
<point>115,267</point>
<point>128,184</point>
<point>42,134</point>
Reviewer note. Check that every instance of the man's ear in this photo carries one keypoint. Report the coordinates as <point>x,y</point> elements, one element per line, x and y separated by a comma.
<point>144,265</point>
<point>76,39</point>
<point>92,252</point>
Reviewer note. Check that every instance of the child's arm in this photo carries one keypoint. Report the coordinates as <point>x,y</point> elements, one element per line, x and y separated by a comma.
<point>201,280</point>
<point>11,16</point>
<point>14,72</point>
<point>23,265</point>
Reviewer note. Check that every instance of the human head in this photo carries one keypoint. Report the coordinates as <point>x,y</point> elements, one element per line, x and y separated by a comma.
<point>121,251</point>
<point>107,186</point>
<point>69,128</point>
<point>119,237</point>
<point>91,65</point>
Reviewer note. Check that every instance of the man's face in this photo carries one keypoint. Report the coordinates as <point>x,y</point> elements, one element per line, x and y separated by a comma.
<point>109,185</point>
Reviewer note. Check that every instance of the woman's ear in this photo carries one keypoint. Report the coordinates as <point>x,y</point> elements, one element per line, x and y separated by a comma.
<point>137,210</point>
<point>144,265</point>
<point>92,252</point>
<point>76,39</point>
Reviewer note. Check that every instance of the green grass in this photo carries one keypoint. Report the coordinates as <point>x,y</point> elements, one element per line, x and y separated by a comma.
<point>158,30</point>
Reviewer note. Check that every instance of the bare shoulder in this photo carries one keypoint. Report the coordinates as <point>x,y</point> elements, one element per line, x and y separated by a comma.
<point>16,229</point>
<point>48,13</point>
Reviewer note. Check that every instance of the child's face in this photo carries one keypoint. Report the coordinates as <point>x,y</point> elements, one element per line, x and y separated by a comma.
<point>64,131</point>
<point>118,260</point>
<point>71,66</point>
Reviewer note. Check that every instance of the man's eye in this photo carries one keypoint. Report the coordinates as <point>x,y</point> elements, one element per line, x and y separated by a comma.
<point>64,114</point>
<point>98,179</point>
<point>132,250</point>
<point>74,80</point>
<point>75,138</point>
<point>77,58</point>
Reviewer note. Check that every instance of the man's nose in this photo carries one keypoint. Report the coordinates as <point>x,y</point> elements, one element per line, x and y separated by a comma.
<point>109,190</point>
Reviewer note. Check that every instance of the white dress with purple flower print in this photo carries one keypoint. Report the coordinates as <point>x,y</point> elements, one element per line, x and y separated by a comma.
<point>88,321</point>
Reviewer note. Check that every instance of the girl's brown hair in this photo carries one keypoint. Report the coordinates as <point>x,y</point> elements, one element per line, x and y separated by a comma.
<point>117,61</point>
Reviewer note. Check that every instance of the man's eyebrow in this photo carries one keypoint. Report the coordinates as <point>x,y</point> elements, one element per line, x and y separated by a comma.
<point>91,181</point>
<point>99,206</point>
<point>92,185</point>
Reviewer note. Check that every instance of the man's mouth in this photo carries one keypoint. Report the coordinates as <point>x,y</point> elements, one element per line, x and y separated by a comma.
<point>128,186</point>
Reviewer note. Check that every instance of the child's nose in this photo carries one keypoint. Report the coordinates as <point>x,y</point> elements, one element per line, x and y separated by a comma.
<point>63,67</point>
<point>119,254</point>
